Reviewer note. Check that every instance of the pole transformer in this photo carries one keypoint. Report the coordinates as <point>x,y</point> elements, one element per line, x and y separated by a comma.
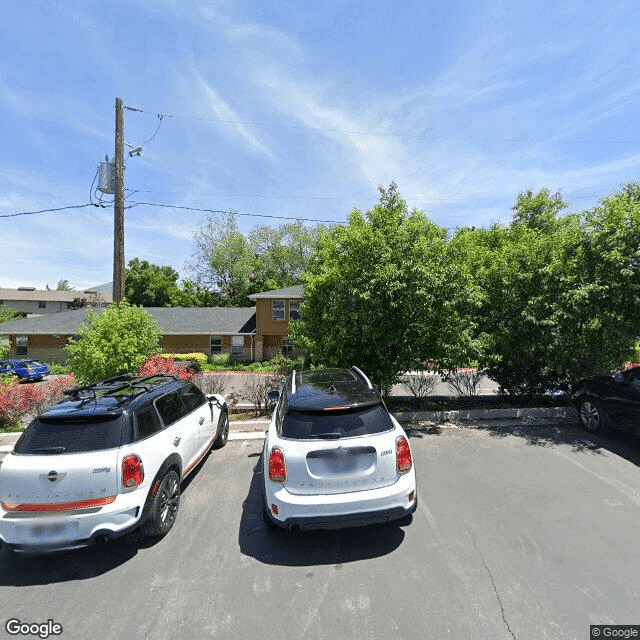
<point>118,207</point>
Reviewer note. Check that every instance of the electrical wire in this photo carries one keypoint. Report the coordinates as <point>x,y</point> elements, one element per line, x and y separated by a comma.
<point>31,213</point>
<point>237,213</point>
<point>384,133</point>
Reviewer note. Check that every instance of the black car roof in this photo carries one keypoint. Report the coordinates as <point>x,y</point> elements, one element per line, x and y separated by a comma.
<point>114,396</point>
<point>330,388</point>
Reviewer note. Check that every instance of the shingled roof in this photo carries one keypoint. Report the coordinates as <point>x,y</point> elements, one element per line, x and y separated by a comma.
<point>171,320</point>
<point>288,292</point>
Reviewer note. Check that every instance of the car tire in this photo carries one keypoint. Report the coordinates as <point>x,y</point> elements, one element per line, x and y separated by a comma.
<point>591,416</point>
<point>223,431</point>
<point>165,506</point>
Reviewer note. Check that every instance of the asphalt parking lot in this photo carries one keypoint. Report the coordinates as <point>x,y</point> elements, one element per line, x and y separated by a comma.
<point>527,532</point>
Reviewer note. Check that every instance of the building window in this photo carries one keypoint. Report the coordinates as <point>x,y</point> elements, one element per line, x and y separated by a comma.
<point>216,345</point>
<point>294,309</point>
<point>278,309</point>
<point>237,346</point>
<point>287,347</point>
<point>22,346</point>
<point>42,304</point>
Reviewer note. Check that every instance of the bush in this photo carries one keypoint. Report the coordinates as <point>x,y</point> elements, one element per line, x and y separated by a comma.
<point>162,364</point>
<point>257,388</point>
<point>221,359</point>
<point>21,401</point>
<point>464,383</point>
<point>421,384</point>
<point>118,340</point>
<point>200,358</point>
<point>58,369</point>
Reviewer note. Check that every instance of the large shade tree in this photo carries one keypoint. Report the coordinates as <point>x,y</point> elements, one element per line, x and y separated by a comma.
<point>382,293</point>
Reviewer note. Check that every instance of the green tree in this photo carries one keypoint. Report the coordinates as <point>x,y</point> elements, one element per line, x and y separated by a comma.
<point>7,314</point>
<point>382,293</point>
<point>118,340</point>
<point>556,295</point>
<point>63,285</point>
<point>235,265</point>
<point>150,285</point>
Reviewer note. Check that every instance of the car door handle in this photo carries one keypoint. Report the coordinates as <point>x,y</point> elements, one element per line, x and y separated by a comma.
<point>176,441</point>
<point>201,421</point>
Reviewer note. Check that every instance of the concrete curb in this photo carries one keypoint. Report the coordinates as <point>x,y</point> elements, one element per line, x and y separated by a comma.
<point>487,414</point>
<point>255,429</point>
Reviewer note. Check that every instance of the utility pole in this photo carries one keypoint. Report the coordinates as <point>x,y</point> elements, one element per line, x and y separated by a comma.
<point>118,207</point>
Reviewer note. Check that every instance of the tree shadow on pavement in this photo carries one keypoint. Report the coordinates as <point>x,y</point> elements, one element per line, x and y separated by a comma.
<point>543,433</point>
<point>306,548</point>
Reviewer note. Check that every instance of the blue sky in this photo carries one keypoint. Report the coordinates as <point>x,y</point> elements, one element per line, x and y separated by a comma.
<point>301,109</point>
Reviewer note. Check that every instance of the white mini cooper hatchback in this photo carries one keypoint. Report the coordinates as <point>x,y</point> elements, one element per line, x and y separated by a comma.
<point>106,460</point>
<point>333,455</point>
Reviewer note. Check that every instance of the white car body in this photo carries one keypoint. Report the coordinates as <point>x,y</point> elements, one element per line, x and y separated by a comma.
<point>69,500</point>
<point>337,482</point>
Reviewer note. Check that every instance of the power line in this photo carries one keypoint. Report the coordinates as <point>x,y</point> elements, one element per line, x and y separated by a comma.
<point>417,197</point>
<point>383,133</point>
<point>31,213</point>
<point>237,213</point>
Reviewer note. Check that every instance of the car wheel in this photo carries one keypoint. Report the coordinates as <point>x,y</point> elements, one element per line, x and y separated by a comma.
<point>165,506</point>
<point>591,416</point>
<point>223,431</point>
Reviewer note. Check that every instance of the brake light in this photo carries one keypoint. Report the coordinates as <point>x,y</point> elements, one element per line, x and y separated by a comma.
<point>403,455</point>
<point>277,466</point>
<point>132,471</point>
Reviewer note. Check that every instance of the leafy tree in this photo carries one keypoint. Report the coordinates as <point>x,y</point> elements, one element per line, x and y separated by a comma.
<point>235,265</point>
<point>63,285</point>
<point>556,296</point>
<point>7,314</point>
<point>381,293</point>
<point>150,285</point>
<point>118,340</point>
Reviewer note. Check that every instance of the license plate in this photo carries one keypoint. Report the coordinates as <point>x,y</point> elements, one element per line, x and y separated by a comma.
<point>51,531</point>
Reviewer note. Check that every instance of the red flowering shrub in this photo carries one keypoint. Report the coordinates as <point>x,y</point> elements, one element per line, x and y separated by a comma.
<point>18,401</point>
<point>160,364</point>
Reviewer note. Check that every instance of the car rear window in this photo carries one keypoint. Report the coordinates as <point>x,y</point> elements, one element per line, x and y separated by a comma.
<point>343,423</point>
<point>71,436</point>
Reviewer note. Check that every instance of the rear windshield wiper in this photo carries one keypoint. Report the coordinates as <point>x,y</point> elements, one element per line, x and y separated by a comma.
<point>50,450</point>
<point>332,435</point>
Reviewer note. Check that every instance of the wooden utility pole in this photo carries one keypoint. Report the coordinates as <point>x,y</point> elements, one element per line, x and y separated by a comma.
<point>118,207</point>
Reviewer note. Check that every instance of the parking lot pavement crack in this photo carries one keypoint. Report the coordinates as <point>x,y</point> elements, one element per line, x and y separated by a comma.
<point>493,583</point>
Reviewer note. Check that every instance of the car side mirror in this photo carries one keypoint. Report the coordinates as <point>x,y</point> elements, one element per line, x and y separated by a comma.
<point>272,398</point>
<point>213,400</point>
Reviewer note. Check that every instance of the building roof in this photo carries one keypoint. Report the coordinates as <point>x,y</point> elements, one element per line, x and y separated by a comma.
<point>288,292</point>
<point>52,295</point>
<point>171,320</point>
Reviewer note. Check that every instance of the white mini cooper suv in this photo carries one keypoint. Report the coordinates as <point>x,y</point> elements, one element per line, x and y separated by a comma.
<point>333,455</point>
<point>105,461</point>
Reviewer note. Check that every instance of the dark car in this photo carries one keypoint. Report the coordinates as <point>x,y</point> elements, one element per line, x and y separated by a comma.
<point>609,401</point>
<point>26,369</point>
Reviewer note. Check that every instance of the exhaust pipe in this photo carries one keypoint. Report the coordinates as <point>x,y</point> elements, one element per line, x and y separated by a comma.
<point>293,527</point>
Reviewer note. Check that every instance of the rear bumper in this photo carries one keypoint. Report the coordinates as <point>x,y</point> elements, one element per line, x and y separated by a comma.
<point>354,509</point>
<point>41,533</point>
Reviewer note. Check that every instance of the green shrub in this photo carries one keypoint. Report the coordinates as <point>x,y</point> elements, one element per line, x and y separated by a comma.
<point>200,358</point>
<point>221,359</point>
<point>58,369</point>
<point>118,340</point>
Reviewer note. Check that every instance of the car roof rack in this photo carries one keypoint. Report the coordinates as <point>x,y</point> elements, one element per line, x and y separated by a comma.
<point>111,386</point>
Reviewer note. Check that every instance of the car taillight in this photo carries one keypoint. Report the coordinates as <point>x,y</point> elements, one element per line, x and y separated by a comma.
<point>403,455</point>
<point>277,466</point>
<point>132,471</point>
